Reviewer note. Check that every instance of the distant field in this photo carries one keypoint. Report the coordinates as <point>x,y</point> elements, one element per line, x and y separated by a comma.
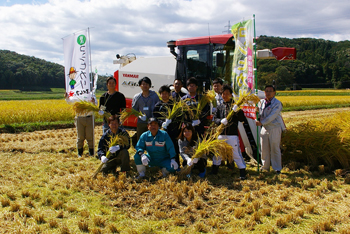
<point>313,102</point>
<point>27,111</point>
<point>313,92</point>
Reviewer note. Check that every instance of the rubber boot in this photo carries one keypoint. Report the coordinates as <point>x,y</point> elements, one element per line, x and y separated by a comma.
<point>214,170</point>
<point>242,174</point>
<point>202,174</point>
<point>80,152</point>
<point>141,169</point>
<point>91,152</point>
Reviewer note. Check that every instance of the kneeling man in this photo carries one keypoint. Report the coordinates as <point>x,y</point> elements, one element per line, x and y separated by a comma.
<point>160,150</point>
<point>120,154</point>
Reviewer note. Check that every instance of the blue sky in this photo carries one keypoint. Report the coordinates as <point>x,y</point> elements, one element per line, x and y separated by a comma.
<point>36,27</point>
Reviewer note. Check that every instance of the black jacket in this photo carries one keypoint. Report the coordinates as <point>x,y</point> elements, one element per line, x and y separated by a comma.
<point>174,127</point>
<point>114,103</point>
<point>232,126</point>
<point>106,137</point>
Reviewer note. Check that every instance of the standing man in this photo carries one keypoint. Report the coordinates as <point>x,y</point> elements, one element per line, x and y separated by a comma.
<point>194,98</point>
<point>172,127</point>
<point>177,94</point>
<point>272,125</point>
<point>144,102</point>
<point>85,124</point>
<point>160,150</point>
<point>230,133</point>
<point>112,102</point>
<point>120,154</point>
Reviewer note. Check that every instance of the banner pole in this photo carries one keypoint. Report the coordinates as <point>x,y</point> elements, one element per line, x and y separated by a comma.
<point>256,92</point>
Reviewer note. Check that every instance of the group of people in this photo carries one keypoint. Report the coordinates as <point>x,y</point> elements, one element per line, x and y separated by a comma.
<point>161,141</point>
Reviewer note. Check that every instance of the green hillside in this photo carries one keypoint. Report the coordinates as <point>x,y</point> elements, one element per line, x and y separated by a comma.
<point>320,64</point>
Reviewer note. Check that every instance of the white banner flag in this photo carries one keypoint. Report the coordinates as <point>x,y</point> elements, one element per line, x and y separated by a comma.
<point>76,66</point>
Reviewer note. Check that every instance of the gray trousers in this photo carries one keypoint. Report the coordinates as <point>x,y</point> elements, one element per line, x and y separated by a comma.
<point>270,148</point>
<point>85,130</point>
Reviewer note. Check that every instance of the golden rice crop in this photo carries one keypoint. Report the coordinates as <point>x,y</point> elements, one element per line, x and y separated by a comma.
<point>35,111</point>
<point>323,141</point>
<point>84,107</point>
<point>127,112</point>
<point>178,109</point>
<point>293,101</point>
<point>211,145</point>
<point>207,98</point>
<point>318,91</point>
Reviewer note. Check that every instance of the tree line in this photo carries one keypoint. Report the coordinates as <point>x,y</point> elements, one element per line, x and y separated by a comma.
<point>319,64</point>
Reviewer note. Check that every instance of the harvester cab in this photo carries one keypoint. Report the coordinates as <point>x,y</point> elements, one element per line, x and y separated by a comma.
<point>204,58</point>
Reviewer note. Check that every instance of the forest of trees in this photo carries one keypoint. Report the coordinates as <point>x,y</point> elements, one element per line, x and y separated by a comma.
<point>28,73</point>
<point>319,64</point>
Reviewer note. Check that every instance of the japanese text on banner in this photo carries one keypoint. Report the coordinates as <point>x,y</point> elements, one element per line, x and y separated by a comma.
<point>76,64</point>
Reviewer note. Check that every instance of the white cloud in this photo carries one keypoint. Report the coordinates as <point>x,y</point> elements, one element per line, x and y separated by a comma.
<point>144,26</point>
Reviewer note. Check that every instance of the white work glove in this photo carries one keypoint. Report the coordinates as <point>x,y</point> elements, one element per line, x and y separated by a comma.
<point>101,112</point>
<point>195,122</point>
<point>174,164</point>
<point>213,110</point>
<point>224,121</point>
<point>104,159</point>
<point>166,123</point>
<point>235,108</point>
<point>216,161</point>
<point>195,160</point>
<point>189,162</point>
<point>144,159</point>
<point>114,149</point>
<point>143,117</point>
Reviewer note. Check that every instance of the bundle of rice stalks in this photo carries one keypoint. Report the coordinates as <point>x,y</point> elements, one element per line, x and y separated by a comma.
<point>245,99</point>
<point>177,110</point>
<point>160,98</point>
<point>207,98</point>
<point>83,107</point>
<point>127,112</point>
<point>121,140</point>
<point>210,145</point>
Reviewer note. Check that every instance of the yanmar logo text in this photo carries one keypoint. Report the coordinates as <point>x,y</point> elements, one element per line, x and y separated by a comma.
<point>131,75</point>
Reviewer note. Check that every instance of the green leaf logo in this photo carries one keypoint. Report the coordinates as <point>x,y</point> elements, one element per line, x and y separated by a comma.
<point>81,39</point>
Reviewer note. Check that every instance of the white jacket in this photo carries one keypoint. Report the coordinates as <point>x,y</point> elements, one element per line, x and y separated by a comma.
<point>271,117</point>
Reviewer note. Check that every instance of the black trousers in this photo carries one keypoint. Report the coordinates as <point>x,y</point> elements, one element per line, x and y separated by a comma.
<point>200,165</point>
<point>122,158</point>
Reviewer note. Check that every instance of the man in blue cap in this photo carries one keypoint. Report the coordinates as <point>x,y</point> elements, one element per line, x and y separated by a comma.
<point>159,149</point>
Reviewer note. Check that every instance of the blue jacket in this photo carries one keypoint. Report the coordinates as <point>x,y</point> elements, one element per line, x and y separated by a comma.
<point>158,147</point>
<point>270,116</point>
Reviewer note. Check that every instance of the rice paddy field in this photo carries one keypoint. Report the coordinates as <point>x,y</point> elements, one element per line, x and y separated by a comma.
<point>46,188</point>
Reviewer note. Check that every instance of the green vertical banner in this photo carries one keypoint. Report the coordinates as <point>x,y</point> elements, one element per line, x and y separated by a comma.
<point>243,64</point>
